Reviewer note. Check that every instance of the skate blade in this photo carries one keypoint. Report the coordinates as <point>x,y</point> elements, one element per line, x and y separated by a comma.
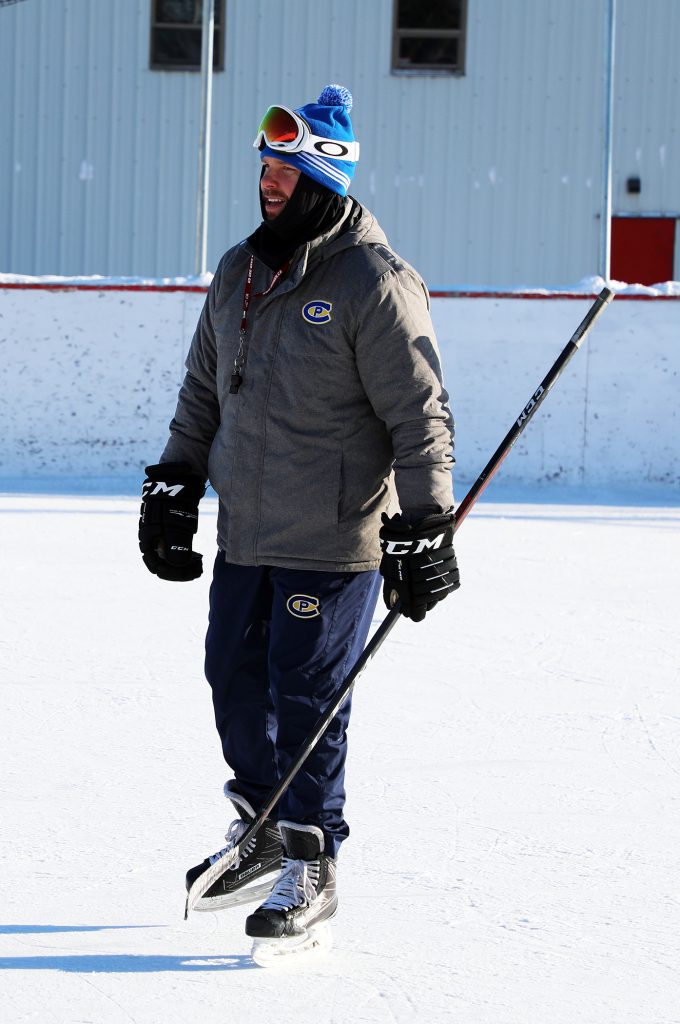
<point>253,894</point>
<point>271,952</point>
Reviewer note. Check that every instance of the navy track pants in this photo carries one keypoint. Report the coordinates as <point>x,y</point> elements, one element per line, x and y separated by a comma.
<point>280,642</point>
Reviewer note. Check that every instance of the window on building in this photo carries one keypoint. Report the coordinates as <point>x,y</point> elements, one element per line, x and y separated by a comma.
<point>176,35</point>
<point>429,35</point>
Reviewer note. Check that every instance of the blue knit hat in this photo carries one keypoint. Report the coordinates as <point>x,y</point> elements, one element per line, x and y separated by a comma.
<point>329,118</point>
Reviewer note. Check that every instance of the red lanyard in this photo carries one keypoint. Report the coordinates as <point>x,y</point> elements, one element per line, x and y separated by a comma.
<point>239,361</point>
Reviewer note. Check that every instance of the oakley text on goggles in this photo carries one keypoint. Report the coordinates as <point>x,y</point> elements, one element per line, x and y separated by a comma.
<point>283,130</point>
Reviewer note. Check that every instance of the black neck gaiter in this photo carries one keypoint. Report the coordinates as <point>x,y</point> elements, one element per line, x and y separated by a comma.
<point>311,211</point>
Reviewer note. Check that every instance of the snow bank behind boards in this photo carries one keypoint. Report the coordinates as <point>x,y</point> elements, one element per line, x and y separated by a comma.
<point>89,377</point>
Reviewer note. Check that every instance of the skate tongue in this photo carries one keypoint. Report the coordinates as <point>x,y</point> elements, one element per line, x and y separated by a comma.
<point>295,887</point>
<point>301,843</point>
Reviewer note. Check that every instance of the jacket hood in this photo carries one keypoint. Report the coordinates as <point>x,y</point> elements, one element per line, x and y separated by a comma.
<point>357,227</point>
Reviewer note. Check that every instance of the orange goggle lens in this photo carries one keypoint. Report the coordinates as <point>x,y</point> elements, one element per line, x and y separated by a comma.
<point>279,126</point>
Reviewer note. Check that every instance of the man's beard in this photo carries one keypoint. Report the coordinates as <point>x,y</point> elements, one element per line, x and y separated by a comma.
<point>310,211</point>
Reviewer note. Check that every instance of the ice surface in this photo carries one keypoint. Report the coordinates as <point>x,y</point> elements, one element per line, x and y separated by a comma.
<point>513,786</point>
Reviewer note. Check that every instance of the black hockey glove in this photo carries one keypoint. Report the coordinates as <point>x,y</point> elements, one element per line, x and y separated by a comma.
<point>169,520</point>
<point>418,562</point>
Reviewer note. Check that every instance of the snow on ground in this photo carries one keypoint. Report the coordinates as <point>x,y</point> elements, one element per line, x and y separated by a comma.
<point>586,286</point>
<point>514,786</point>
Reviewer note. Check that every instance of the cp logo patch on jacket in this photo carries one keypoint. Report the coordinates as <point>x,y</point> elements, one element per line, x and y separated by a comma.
<point>318,311</point>
<point>302,606</point>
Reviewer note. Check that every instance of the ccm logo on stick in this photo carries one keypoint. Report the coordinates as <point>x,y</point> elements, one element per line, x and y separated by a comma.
<point>528,408</point>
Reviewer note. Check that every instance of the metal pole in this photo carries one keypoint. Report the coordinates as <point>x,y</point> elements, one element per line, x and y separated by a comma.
<point>606,212</point>
<point>204,138</point>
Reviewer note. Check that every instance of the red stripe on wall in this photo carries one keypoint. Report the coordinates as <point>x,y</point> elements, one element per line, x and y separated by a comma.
<point>32,286</point>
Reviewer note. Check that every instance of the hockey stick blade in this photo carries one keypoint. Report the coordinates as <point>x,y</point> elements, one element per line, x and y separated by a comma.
<point>204,881</point>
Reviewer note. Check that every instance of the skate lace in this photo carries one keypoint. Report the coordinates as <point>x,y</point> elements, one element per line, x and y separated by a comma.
<point>233,835</point>
<point>296,885</point>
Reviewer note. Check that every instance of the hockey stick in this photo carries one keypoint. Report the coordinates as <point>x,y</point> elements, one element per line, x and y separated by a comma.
<point>216,870</point>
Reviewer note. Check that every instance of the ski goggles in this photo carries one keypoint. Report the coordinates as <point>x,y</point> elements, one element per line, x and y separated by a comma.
<point>285,131</point>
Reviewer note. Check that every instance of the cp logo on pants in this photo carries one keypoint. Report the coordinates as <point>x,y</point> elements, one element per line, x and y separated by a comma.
<point>302,606</point>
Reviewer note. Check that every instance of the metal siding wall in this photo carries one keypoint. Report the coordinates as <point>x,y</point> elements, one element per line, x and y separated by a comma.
<point>511,198</point>
<point>107,149</point>
<point>490,179</point>
<point>461,172</point>
<point>646,123</point>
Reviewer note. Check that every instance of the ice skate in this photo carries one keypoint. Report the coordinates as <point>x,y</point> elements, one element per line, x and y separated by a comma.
<point>295,916</point>
<point>256,869</point>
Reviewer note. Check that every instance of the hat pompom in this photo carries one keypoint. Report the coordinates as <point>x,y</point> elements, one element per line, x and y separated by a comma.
<point>336,96</point>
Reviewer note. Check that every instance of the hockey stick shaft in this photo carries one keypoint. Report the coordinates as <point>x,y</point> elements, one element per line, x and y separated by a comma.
<point>206,880</point>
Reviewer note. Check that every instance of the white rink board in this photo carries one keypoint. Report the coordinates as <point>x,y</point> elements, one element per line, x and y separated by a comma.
<point>611,420</point>
<point>89,379</point>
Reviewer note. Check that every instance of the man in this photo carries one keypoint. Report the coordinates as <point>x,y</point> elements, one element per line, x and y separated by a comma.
<point>313,391</point>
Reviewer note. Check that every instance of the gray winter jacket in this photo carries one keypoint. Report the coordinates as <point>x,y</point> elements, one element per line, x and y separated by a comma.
<point>341,388</point>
